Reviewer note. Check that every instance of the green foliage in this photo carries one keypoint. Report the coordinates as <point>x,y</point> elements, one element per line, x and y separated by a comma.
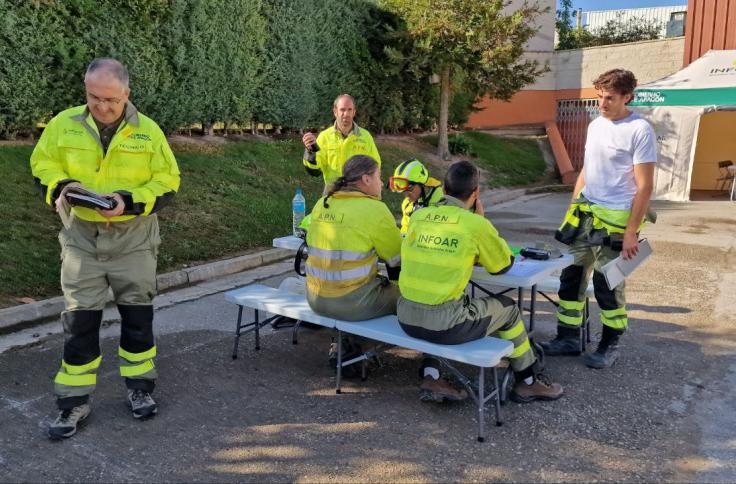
<point>616,31</point>
<point>460,145</point>
<point>275,62</point>
<point>235,197</point>
<point>478,40</point>
<point>24,34</point>
<point>620,31</point>
<point>507,161</point>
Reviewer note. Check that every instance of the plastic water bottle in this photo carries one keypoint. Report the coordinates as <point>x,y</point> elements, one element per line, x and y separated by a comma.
<point>297,212</point>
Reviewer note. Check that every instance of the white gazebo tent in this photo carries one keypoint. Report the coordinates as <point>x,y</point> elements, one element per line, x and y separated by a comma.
<point>693,112</point>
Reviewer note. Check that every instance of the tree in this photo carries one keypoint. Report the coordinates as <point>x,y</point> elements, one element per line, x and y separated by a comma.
<point>620,31</point>
<point>616,31</point>
<point>570,37</point>
<point>484,40</point>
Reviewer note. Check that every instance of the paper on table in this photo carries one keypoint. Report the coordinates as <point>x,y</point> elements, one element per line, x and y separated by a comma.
<point>619,269</point>
<point>523,267</point>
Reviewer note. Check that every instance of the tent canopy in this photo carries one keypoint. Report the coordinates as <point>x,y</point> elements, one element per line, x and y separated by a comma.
<point>674,106</point>
<point>710,80</point>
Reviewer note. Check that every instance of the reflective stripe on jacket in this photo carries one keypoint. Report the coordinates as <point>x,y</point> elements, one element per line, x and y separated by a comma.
<point>442,245</point>
<point>345,241</point>
<point>606,221</point>
<point>408,207</point>
<point>335,149</point>
<point>139,163</point>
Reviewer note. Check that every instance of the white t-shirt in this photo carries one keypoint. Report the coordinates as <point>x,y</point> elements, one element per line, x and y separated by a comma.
<point>611,151</point>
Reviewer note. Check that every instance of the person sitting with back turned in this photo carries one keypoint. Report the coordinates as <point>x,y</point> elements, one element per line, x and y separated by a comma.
<point>441,247</point>
<point>350,229</point>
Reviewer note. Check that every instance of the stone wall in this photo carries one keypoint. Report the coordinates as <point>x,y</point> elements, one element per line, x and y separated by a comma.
<point>648,60</point>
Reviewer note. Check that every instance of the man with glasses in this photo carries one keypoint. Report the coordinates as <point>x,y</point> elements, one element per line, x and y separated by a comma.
<point>107,147</point>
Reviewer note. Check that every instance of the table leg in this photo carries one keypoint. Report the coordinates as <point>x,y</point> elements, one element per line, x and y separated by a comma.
<point>497,402</point>
<point>258,332</point>
<point>531,308</point>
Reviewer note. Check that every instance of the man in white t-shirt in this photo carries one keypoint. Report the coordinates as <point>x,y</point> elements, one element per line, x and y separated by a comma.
<point>608,207</point>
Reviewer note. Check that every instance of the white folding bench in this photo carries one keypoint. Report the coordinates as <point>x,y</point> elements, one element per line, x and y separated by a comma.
<point>482,353</point>
<point>276,302</point>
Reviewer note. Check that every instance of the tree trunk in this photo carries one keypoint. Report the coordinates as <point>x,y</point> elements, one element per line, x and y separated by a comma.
<point>208,129</point>
<point>442,145</point>
<point>253,127</point>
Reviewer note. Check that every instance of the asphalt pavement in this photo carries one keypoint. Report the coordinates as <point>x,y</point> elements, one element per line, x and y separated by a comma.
<point>665,412</point>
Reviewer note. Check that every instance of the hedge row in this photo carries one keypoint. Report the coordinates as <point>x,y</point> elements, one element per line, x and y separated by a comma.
<point>278,62</point>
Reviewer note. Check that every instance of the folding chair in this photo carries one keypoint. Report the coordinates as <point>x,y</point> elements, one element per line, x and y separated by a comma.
<point>726,176</point>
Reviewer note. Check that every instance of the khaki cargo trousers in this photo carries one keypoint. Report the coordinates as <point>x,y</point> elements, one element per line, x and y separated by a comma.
<point>97,257</point>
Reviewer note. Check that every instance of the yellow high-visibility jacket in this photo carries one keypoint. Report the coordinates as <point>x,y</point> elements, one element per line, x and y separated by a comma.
<point>442,245</point>
<point>346,240</point>
<point>139,164</point>
<point>335,149</point>
<point>408,207</point>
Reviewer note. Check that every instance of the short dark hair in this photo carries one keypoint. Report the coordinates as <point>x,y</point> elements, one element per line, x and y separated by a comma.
<point>461,180</point>
<point>620,81</point>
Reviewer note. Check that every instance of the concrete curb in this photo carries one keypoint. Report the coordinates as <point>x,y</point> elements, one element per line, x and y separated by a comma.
<point>29,313</point>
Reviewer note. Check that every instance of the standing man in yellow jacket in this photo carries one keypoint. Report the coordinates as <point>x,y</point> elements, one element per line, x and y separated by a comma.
<point>442,245</point>
<point>327,153</point>
<point>108,147</point>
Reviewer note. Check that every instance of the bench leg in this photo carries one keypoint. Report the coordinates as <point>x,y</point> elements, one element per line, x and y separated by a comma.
<point>258,331</point>
<point>338,390</point>
<point>237,332</point>
<point>481,404</point>
<point>295,332</point>
<point>497,399</point>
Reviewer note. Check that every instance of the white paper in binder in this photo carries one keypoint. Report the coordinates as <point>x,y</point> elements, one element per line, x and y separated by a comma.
<point>619,269</point>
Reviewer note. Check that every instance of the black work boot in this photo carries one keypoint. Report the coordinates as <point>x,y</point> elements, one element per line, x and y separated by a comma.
<point>607,353</point>
<point>566,343</point>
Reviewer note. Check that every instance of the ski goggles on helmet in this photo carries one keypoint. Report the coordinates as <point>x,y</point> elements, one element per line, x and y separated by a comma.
<point>399,184</point>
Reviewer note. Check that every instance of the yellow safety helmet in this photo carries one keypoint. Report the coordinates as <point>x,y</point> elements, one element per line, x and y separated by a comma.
<point>408,173</point>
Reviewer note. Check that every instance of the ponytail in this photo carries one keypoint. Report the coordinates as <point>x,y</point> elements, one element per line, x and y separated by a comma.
<point>338,185</point>
<point>352,172</point>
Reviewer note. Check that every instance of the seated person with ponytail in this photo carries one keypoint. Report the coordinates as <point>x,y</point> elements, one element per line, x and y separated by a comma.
<point>350,229</point>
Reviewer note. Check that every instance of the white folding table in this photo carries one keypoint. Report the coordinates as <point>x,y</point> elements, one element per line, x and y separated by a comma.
<point>524,274</point>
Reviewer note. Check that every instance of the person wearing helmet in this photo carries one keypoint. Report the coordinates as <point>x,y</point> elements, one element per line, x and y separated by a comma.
<point>420,190</point>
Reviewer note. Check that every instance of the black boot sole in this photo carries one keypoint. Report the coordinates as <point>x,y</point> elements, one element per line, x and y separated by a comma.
<point>517,399</point>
